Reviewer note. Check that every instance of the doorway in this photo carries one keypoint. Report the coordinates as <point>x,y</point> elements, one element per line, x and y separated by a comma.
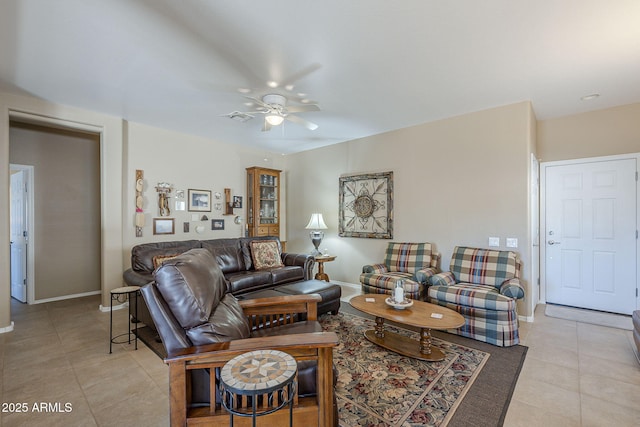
<point>64,251</point>
<point>589,222</point>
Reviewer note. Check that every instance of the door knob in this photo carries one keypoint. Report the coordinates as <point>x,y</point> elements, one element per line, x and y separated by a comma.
<point>553,242</point>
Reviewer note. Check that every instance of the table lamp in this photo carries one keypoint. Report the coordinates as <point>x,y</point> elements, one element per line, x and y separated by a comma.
<point>316,223</point>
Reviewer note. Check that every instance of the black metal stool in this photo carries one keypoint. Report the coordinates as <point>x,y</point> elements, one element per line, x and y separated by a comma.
<point>116,294</point>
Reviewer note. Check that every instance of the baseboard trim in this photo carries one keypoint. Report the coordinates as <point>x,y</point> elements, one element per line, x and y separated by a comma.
<point>7,328</point>
<point>63,297</point>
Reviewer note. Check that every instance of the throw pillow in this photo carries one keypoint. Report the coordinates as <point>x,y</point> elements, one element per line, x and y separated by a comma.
<point>158,260</point>
<point>265,254</point>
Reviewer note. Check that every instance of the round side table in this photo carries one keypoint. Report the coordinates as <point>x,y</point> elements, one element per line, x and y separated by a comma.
<point>116,295</point>
<point>265,375</point>
<point>321,259</point>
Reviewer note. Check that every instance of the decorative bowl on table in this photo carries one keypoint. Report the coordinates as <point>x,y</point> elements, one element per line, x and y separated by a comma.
<point>399,305</point>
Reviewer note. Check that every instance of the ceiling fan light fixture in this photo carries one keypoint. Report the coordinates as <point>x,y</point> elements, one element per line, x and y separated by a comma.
<point>274,119</point>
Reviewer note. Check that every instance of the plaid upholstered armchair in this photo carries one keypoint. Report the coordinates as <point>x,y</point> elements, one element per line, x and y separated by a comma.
<point>413,263</point>
<point>482,285</point>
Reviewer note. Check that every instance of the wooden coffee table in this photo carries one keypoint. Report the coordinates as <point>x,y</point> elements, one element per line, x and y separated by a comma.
<point>418,315</point>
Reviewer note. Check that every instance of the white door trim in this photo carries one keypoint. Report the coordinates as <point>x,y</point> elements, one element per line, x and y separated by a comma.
<point>543,207</point>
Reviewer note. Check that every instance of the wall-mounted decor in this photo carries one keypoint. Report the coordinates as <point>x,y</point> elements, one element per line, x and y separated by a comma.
<point>164,189</point>
<point>185,227</point>
<point>366,206</point>
<point>164,226</point>
<point>237,202</point>
<point>217,224</point>
<point>199,200</point>
<point>139,217</point>
<point>179,194</point>
<point>228,205</point>
<point>180,205</point>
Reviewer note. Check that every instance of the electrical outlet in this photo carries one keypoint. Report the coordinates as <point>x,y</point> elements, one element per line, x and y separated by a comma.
<point>512,242</point>
<point>494,242</point>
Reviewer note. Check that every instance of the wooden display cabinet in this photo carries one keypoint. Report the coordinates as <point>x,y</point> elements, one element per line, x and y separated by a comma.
<point>263,202</point>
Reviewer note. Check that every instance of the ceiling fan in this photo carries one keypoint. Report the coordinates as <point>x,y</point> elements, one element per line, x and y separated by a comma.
<point>275,110</point>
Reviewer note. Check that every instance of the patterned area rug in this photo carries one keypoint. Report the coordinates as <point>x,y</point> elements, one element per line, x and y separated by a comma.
<point>377,387</point>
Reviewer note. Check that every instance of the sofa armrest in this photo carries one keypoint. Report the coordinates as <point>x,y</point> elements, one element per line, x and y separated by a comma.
<point>423,275</point>
<point>273,307</point>
<point>317,346</point>
<point>133,278</point>
<point>443,279</point>
<point>512,288</point>
<point>375,268</point>
<point>306,261</point>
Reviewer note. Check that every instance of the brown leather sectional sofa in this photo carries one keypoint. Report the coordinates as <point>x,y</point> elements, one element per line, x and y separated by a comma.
<point>243,280</point>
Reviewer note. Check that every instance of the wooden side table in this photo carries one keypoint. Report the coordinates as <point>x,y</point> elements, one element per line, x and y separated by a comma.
<point>321,275</point>
<point>261,375</point>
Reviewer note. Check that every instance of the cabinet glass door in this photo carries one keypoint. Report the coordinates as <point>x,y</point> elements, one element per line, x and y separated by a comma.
<point>268,199</point>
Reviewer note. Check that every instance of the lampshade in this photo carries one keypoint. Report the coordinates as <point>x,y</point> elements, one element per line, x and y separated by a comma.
<point>274,119</point>
<point>316,222</point>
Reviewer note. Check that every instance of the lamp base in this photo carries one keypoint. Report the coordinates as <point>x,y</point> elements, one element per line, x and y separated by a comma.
<point>316,239</point>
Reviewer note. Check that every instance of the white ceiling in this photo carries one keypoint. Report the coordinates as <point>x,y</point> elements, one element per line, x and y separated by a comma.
<point>372,65</point>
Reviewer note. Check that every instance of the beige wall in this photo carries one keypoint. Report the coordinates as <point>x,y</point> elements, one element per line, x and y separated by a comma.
<point>66,230</point>
<point>186,161</point>
<point>456,182</point>
<point>597,133</point>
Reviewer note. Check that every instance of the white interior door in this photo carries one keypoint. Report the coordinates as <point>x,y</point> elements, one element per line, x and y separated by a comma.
<point>18,235</point>
<point>590,235</point>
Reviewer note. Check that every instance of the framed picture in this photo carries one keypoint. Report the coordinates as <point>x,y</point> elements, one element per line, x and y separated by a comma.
<point>237,202</point>
<point>199,200</point>
<point>217,224</point>
<point>366,206</point>
<point>163,226</point>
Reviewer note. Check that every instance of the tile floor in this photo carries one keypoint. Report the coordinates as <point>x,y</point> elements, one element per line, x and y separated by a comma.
<point>575,374</point>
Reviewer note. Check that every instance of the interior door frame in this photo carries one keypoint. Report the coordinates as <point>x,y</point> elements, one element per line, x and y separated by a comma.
<point>543,211</point>
<point>29,174</point>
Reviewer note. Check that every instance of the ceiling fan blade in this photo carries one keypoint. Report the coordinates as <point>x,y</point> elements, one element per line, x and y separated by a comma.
<point>302,108</point>
<point>266,126</point>
<point>301,121</point>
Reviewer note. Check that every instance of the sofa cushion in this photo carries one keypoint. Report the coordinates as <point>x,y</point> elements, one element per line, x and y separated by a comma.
<point>192,284</point>
<point>286,274</point>
<point>483,266</point>
<point>227,253</point>
<point>226,323</point>
<point>407,257</point>
<point>142,255</point>
<point>245,281</point>
<point>472,295</point>
<point>265,254</point>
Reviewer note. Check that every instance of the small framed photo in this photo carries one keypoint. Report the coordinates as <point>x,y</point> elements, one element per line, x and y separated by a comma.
<point>217,224</point>
<point>237,202</point>
<point>164,226</point>
<point>179,194</point>
<point>199,200</point>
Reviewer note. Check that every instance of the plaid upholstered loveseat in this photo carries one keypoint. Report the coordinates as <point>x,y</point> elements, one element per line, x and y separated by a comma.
<point>482,285</point>
<point>413,263</point>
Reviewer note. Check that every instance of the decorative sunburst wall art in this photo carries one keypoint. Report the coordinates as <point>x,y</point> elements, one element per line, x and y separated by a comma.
<point>366,205</point>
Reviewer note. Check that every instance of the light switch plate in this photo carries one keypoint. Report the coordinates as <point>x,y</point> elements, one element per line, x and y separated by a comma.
<point>494,242</point>
<point>512,242</point>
